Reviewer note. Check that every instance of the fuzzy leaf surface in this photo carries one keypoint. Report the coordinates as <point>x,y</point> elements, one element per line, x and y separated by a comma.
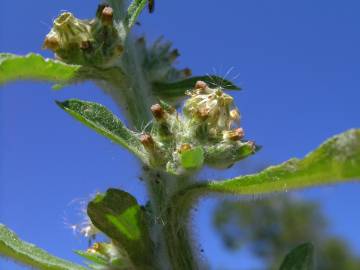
<point>336,160</point>
<point>34,67</point>
<point>300,258</point>
<point>28,254</point>
<point>133,12</point>
<point>178,89</point>
<point>94,257</point>
<point>117,214</point>
<point>104,122</point>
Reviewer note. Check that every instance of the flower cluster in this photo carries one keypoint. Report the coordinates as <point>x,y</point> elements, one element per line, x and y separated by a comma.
<point>86,42</point>
<point>206,133</point>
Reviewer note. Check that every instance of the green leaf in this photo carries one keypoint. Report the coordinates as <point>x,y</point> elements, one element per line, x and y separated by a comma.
<point>133,12</point>
<point>14,248</point>
<point>300,258</point>
<point>193,158</point>
<point>100,119</point>
<point>94,257</point>
<point>178,89</point>
<point>336,160</point>
<point>117,214</point>
<point>34,67</point>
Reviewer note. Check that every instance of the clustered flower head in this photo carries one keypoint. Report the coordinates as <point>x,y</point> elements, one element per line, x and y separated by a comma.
<point>86,42</point>
<point>210,108</point>
<point>207,132</point>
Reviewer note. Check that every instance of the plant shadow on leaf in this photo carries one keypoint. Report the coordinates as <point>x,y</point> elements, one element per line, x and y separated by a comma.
<point>117,214</point>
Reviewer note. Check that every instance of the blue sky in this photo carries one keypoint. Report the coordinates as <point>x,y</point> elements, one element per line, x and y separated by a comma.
<point>297,61</point>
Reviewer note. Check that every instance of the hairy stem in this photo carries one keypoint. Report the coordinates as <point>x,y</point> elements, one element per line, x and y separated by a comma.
<point>170,230</point>
<point>131,90</point>
<point>129,87</point>
<point>178,240</point>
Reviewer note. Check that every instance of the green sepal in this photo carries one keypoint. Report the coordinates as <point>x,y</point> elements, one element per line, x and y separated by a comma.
<point>35,67</point>
<point>225,154</point>
<point>193,158</point>
<point>104,122</point>
<point>117,214</point>
<point>300,258</point>
<point>179,88</point>
<point>28,254</point>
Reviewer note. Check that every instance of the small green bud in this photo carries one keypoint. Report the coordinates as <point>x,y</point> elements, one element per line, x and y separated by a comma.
<point>233,135</point>
<point>107,16</point>
<point>161,128</point>
<point>148,142</point>
<point>157,111</point>
<point>157,157</point>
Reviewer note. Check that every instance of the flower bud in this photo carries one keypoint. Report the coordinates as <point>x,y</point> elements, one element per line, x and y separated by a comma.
<point>212,107</point>
<point>51,43</point>
<point>235,115</point>
<point>157,111</point>
<point>233,135</point>
<point>184,147</point>
<point>147,141</point>
<point>201,85</point>
<point>85,42</point>
<point>203,113</point>
<point>71,30</point>
<point>107,16</point>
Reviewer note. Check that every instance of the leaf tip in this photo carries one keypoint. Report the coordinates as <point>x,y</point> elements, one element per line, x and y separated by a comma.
<point>61,104</point>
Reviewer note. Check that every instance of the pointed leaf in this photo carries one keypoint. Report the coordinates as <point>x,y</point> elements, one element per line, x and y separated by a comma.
<point>117,214</point>
<point>300,258</point>
<point>99,118</point>
<point>178,89</point>
<point>14,248</point>
<point>336,160</point>
<point>134,11</point>
<point>34,67</point>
